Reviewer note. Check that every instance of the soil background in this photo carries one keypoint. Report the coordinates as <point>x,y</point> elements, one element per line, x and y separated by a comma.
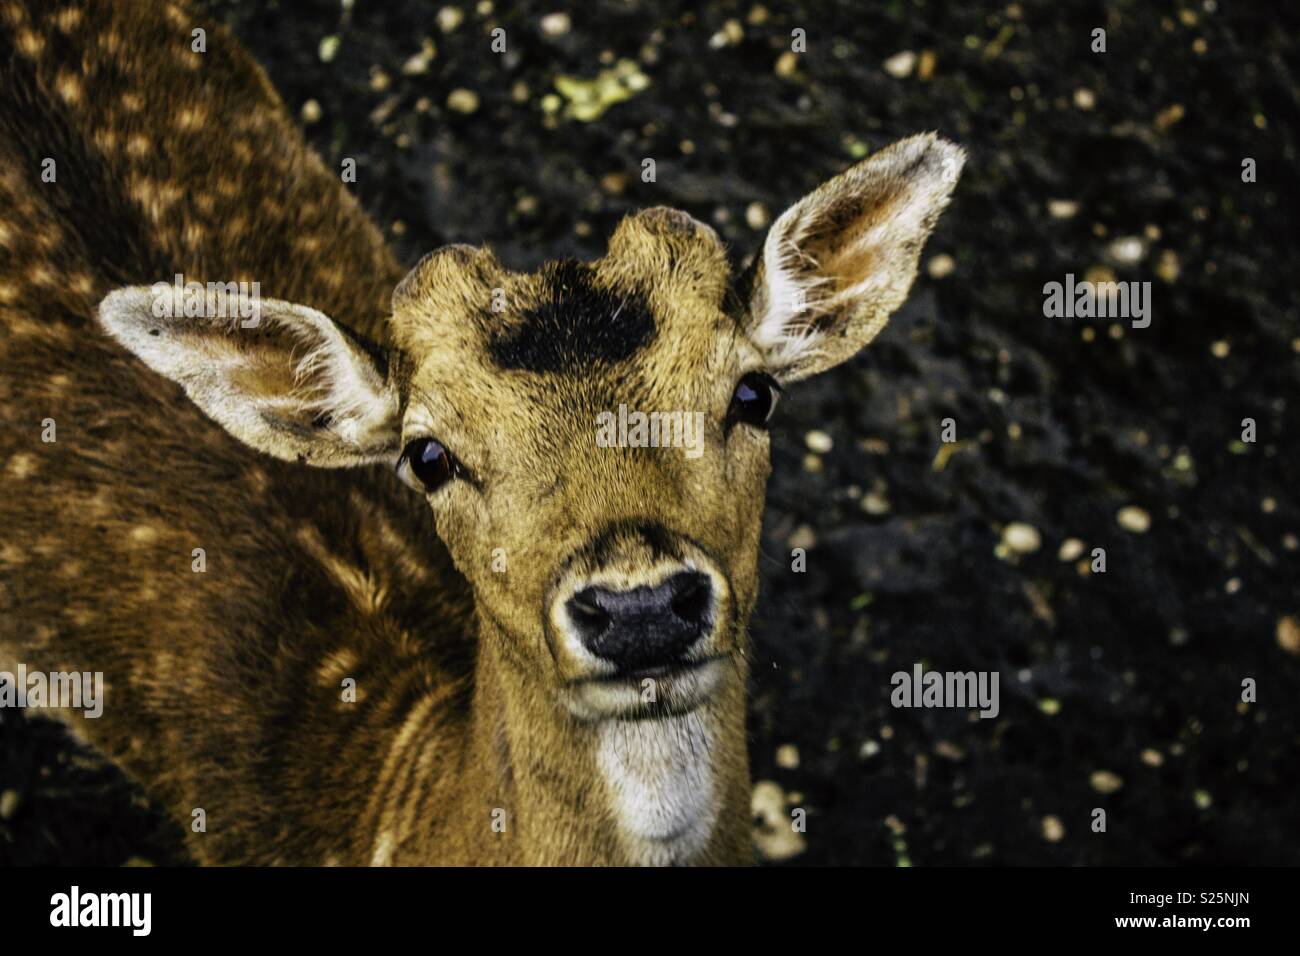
<point>1119,690</point>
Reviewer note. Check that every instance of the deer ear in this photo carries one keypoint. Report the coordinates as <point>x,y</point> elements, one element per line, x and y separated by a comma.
<point>282,378</point>
<point>838,263</point>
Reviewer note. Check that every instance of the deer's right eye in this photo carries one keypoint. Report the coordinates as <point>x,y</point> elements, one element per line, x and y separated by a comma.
<point>429,461</point>
<point>754,400</point>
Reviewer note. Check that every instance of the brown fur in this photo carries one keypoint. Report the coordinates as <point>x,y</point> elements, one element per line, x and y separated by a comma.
<point>224,686</point>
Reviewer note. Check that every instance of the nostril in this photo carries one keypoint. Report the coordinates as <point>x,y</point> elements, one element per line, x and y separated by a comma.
<point>693,596</point>
<point>590,619</point>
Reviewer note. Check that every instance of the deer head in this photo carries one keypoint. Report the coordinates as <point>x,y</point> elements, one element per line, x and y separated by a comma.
<point>613,558</point>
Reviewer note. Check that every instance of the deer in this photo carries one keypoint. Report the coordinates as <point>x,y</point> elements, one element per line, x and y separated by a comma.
<point>435,622</point>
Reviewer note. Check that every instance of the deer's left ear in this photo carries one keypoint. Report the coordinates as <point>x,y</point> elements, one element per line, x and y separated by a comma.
<point>840,261</point>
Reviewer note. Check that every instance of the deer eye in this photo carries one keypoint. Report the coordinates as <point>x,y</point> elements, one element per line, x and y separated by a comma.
<point>429,461</point>
<point>754,400</point>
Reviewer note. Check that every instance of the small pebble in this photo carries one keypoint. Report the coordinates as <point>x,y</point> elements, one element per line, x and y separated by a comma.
<point>757,216</point>
<point>311,112</point>
<point>1152,757</point>
<point>940,266</point>
<point>1084,98</point>
<point>1288,634</point>
<point>874,503</point>
<point>449,18</point>
<point>732,33</point>
<point>787,756</point>
<point>1126,250</point>
<point>1134,519</point>
<point>1103,781</point>
<point>614,183</point>
<point>1021,538</point>
<point>925,68</point>
<point>774,835</point>
<point>329,48</point>
<point>1070,549</point>
<point>949,750</point>
<point>1167,266</point>
<point>1053,829</point>
<point>462,101</point>
<point>1062,208</point>
<point>900,65</point>
<point>786,64</point>
<point>803,537</point>
<point>767,796</point>
<point>419,63</point>
<point>10,800</point>
<point>819,442</point>
<point>1168,116</point>
<point>556,24</point>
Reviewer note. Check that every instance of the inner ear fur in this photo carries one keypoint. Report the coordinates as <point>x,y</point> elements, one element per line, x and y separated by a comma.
<point>285,379</point>
<point>838,263</point>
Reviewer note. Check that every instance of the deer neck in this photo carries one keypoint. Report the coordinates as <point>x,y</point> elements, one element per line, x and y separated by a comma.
<point>539,786</point>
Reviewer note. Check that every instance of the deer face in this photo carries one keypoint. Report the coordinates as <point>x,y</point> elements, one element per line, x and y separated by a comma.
<point>591,438</point>
<point>620,558</point>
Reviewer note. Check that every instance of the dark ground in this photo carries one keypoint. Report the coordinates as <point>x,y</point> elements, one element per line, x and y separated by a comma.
<point>1119,690</point>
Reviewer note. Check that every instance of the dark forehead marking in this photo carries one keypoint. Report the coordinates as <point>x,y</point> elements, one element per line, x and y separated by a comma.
<point>576,323</point>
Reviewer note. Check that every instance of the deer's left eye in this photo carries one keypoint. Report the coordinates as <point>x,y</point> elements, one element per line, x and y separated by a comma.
<point>429,462</point>
<point>754,400</point>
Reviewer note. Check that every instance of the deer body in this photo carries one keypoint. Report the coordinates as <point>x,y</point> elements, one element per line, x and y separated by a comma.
<point>499,714</point>
<point>96,566</point>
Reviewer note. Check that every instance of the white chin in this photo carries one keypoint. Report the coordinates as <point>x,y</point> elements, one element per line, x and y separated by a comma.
<point>661,784</point>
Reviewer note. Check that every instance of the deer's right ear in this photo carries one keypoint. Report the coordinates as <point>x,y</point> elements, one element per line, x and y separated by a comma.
<point>280,377</point>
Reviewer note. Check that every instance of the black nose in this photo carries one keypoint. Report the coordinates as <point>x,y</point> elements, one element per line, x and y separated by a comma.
<point>644,627</point>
